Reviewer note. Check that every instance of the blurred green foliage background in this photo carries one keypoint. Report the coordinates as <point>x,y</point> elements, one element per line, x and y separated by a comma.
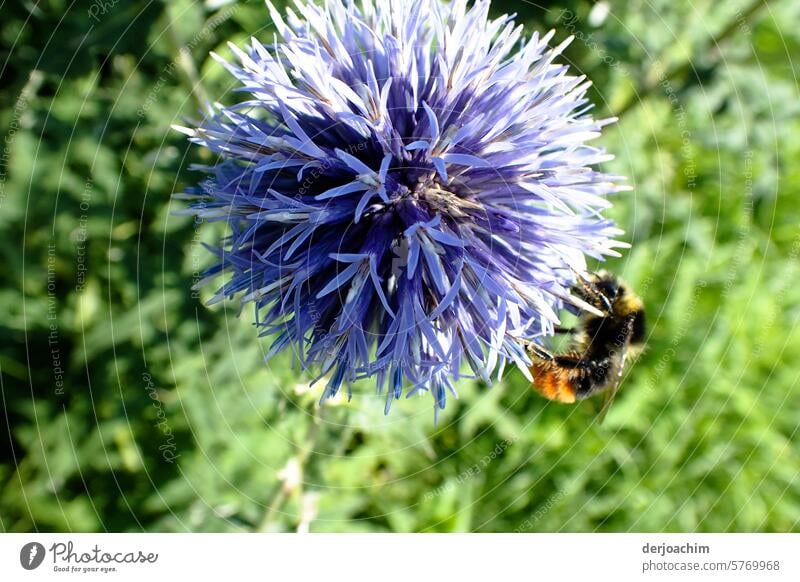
<point>128,405</point>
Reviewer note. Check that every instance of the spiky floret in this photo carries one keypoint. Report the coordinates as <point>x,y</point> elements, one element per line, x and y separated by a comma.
<point>408,187</point>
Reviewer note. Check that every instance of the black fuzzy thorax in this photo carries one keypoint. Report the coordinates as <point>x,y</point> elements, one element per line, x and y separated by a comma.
<point>595,356</point>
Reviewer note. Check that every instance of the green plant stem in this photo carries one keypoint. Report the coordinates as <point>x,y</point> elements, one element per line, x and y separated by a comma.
<point>187,66</point>
<point>280,496</point>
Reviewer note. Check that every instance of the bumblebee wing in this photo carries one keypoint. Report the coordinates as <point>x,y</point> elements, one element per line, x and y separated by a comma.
<point>611,392</point>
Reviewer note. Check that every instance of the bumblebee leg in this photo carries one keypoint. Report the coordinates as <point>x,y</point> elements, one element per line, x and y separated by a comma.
<point>540,352</point>
<point>600,301</point>
<point>537,351</point>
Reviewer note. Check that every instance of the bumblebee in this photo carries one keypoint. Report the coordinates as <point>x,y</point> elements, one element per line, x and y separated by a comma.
<point>611,327</point>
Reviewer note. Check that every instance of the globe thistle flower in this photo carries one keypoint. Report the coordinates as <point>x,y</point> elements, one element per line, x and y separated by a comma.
<point>408,188</point>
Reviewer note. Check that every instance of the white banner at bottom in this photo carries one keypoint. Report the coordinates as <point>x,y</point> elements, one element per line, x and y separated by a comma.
<point>401,557</point>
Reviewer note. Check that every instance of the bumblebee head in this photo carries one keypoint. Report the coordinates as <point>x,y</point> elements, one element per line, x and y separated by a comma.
<point>625,303</point>
<point>606,291</point>
<point>608,285</point>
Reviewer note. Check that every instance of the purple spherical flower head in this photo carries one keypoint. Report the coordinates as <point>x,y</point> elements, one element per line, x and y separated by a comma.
<point>409,191</point>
